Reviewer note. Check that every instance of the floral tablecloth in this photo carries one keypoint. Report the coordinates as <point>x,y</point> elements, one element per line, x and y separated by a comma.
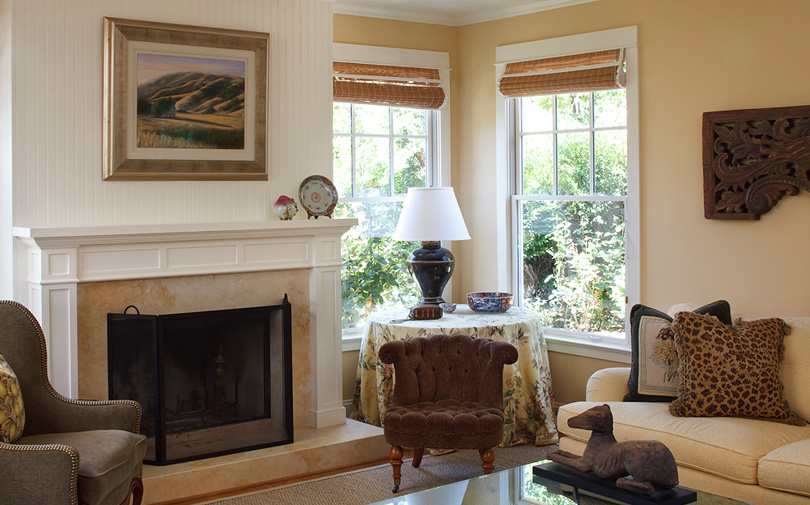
<point>526,384</point>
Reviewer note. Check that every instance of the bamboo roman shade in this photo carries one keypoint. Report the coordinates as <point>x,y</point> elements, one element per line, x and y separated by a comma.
<point>564,74</point>
<point>387,85</point>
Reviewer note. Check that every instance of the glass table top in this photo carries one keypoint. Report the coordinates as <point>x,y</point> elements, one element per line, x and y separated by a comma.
<point>514,486</point>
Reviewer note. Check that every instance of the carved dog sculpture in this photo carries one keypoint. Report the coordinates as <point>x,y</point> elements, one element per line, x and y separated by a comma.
<point>649,462</point>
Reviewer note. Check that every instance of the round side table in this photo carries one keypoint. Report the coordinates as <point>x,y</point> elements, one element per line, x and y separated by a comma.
<point>526,384</point>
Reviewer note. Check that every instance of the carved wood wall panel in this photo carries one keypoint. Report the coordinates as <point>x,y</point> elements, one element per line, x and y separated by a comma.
<point>752,158</point>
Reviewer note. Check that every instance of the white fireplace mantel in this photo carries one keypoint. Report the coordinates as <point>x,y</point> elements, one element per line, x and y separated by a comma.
<point>60,258</point>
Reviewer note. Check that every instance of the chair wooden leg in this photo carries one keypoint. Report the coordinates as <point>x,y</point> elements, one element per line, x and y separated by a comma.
<point>417,456</point>
<point>487,460</point>
<point>396,463</point>
<point>135,492</point>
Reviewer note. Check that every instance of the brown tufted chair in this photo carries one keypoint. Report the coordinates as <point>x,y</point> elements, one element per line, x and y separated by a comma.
<point>71,451</point>
<point>448,394</point>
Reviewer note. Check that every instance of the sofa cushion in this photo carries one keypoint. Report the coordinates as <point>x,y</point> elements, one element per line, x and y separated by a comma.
<point>12,409</point>
<point>730,372</point>
<point>728,447</point>
<point>787,468</point>
<point>653,374</point>
<point>794,370</point>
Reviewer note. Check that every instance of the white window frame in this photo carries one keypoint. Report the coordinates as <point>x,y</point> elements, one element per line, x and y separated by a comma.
<point>627,38</point>
<point>438,124</point>
<point>431,176</point>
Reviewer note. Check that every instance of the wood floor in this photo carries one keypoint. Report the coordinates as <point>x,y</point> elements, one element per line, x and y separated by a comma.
<point>282,482</point>
<point>316,452</point>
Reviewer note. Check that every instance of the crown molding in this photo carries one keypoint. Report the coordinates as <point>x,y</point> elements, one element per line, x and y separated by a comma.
<point>460,19</point>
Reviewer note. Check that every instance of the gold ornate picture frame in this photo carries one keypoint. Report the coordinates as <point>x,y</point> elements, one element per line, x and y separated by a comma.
<point>184,102</point>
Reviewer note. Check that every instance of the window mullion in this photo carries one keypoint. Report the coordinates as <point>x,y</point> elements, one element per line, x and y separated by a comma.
<point>432,144</point>
<point>517,144</point>
<point>431,153</point>
<point>555,190</point>
<point>514,112</point>
<point>391,151</point>
<point>519,239</point>
<point>353,150</point>
<point>573,198</point>
<point>592,161</point>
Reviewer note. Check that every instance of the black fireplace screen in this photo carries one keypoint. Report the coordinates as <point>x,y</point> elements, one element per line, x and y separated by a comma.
<point>209,383</point>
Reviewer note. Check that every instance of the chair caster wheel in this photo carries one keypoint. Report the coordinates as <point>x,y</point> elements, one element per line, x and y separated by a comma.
<point>396,489</point>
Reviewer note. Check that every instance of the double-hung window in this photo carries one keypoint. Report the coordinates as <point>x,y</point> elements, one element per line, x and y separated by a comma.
<point>386,139</point>
<point>574,220</point>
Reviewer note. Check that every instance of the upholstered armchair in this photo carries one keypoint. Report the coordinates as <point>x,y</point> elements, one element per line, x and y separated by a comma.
<point>71,451</point>
<point>448,394</point>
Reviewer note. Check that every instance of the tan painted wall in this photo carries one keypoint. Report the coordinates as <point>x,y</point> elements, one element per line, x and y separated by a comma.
<point>350,359</point>
<point>694,56</point>
<point>570,374</point>
<point>389,33</point>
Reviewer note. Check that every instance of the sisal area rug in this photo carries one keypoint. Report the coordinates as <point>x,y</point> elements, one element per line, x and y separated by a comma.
<point>374,484</point>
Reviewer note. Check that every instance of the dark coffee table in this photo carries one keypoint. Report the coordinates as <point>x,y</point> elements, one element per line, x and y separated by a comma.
<point>515,486</point>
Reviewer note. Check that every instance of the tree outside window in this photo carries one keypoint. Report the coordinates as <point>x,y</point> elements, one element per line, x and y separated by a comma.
<point>571,191</point>
<point>379,152</point>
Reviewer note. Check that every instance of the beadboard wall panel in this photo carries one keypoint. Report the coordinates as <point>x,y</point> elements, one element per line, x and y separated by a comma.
<point>56,77</point>
<point>6,239</point>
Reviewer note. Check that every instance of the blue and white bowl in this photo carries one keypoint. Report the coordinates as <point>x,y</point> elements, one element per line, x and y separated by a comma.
<point>489,301</point>
<point>448,307</point>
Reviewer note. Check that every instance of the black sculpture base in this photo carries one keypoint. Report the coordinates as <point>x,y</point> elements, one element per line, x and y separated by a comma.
<point>607,488</point>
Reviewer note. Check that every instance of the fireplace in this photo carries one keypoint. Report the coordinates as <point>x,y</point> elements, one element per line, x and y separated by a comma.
<point>76,276</point>
<point>210,383</point>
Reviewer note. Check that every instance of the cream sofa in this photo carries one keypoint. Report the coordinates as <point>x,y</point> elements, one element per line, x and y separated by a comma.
<point>758,462</point>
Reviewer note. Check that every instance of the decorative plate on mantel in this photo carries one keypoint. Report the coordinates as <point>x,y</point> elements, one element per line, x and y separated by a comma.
<point>318,196</point>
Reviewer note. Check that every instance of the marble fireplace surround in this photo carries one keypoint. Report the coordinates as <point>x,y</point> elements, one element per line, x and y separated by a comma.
<point>77,275</point>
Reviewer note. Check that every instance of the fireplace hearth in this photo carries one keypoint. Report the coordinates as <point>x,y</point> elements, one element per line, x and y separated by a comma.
<point>210,383</point>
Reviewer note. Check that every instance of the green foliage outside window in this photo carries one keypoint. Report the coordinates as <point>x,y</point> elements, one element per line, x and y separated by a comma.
<point>574,251</point>
<point>374,275</point>
<point>574,264</point>
<point>374,271</point>
<point>379,152</point>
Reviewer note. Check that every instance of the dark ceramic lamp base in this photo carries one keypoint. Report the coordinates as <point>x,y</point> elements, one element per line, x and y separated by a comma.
<point>431,267</point>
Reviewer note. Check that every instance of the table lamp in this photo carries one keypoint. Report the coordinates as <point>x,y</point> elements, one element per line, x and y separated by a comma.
<point>431,215</point>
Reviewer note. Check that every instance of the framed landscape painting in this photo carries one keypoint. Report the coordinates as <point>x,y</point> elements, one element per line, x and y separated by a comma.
<point>184,102</point>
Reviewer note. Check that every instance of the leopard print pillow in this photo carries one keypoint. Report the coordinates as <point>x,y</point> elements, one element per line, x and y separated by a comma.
<point>730,371</point>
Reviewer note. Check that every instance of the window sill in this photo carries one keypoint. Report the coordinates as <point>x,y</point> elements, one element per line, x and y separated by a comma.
<point>590,349</point>
<point>352,339</point>
<point>610,352</point>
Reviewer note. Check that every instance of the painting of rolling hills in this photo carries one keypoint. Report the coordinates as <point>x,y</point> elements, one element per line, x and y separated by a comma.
<point>190,102</point>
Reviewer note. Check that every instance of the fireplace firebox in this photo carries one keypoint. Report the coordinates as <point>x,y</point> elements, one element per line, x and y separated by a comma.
<point>209,383</point>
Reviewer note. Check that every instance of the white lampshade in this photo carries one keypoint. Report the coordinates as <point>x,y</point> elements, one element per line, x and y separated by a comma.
<point>431,214</point>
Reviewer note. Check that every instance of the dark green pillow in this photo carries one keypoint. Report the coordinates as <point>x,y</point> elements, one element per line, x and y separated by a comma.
<point>654,366</point>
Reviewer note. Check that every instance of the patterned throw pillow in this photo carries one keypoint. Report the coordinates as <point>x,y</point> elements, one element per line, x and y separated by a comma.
<point>12,412</point>
<point>730,371</point>
<point>654,369</point>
